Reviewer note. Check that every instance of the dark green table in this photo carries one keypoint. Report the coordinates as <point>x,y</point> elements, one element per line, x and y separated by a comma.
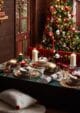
<point>52,94</point>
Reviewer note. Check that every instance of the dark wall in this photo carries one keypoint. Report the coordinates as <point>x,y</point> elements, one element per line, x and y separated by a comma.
<point>78,14</point>
<point>38,17</point>
<point>41,10</point>
<point>7,33</point>
<point>32,21</point>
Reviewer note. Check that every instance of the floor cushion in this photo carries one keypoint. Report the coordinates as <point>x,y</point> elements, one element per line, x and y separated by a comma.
<point>36,108</point>
<point>17,99</point>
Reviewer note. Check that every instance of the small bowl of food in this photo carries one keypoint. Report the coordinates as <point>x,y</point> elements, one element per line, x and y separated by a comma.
<point>50,68</point>
<point>20,73</point>
<point>34,73</point>
<point>43,60</point>
<point>75,77</point>
<point>17,73</point>
<point>23,70</point>
<point>13,62</point>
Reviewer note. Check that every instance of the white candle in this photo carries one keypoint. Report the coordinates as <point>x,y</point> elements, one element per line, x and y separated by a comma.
<point>73,60</point>
<point>35,55</point>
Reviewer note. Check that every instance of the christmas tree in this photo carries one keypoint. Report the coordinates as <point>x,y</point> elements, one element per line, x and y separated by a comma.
<point>60,29</point>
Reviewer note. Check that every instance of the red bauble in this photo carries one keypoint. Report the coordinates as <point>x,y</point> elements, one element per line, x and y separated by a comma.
<point>67,8</point>
<point>52,9</point>
<point>58,0</point>
<point>46,30</point>
<point>72,15</point>
<point>64,0</point>
<point>50,33</point>
<point>48,18</point>
<point>73,29</point>
<point>22,63</point>
<point>65,19</point>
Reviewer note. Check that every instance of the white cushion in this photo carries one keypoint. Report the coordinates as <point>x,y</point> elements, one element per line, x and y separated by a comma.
<point>36,108</point>
<point>17,99</point>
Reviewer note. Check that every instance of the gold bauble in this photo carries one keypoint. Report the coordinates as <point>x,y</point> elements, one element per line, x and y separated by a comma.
<point>58,0</point>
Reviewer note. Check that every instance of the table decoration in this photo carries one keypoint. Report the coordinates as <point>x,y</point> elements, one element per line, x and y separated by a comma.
<point>66,84</point>
<point>2,67</point>
<point>43,60</point>
<point>34,55</point>
<point>20,73</point>
<point>20,57</point>
<point>75,76</point>
<point>58,76</point>
<point>71,81</point>
<point>45,79</point>
<point>46,72</point>
<point>23,63</point>
<point>12,62</point>
<point>50,68</point>
<point>34,73</point>
<point>73,60</point>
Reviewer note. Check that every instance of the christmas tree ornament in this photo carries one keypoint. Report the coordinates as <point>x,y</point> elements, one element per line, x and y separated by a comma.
<point>64,0</point>
<point>63,33</point>
<point>73,29</point>
<point>22,63</point>
<point>65,19</point>
<point>64,45</point>
<point>20,57</point>
<point>69,15</point>
<point>51,29</point>
<point>58,0</point>
<point>52,9</point>
<point>62,8</point>
<point>54,12</point>
<point>69,36</point>
<point>48,18</point>
<point>57,56</point>
<point>56,6</point>
<point>58,32</point>
<point>52,19</point>
<point>50,33</point>
<point>72,15</point>
<point>53,37</point>
<point>59,20</point>
<point>67,8</point>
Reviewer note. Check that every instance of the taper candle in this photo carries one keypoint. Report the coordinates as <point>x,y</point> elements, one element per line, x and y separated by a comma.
<point>35,55</point>
<point>73,60</point>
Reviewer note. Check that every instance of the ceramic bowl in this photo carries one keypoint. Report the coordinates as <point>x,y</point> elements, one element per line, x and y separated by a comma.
<point>74,79</point>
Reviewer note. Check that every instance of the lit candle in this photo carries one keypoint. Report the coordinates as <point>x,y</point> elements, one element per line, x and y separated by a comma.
<point>73,60</point>
<point>35,55</point>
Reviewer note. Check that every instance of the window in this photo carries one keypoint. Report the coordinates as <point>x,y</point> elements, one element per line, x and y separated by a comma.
<point>78,15</point>
<point>76,11</point>
<point>22,25</point>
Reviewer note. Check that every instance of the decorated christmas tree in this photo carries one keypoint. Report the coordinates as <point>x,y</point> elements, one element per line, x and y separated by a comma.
<point>60,29</point>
